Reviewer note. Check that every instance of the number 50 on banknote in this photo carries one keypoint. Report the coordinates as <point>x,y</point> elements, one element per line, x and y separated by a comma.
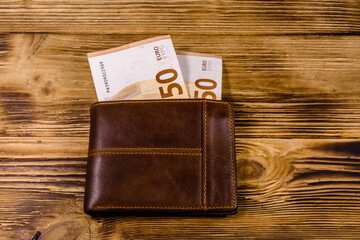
<point>202,74</point>
<point>147,69</point>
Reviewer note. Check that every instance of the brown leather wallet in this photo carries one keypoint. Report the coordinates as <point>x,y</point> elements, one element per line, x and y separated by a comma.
<point>161,156</point>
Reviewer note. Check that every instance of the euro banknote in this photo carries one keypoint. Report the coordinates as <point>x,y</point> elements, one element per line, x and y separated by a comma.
<point>148,69</point>
<point>202,74</point>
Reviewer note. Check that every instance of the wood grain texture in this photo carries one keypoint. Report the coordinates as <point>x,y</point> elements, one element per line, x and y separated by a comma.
<point>288,189</point>
<point>181,16</point>
<point>291,69</point>
<point>282,87</point>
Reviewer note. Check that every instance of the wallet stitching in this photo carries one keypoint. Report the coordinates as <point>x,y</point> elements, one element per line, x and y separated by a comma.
<point>205,122</point>
<point>156,153</point>
<point>139,101</point>
<point>166,207</point>
<point>140,148</point>
<point>232,154</point>
<point>162,207</point>
<point>198,149</point>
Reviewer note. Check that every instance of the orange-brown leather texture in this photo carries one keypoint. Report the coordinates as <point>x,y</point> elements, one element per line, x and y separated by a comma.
<point>162,156</point>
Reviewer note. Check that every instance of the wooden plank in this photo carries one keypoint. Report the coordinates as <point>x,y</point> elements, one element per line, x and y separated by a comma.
<point>281,86</point>
<point>288,189</point>
<point>279,64</point>
<point>304,88</point>
<point>179,16</point>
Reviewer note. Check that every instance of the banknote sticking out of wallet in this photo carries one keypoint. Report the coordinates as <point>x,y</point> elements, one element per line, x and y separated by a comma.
<point>152,69</point>
<point>161,138</point>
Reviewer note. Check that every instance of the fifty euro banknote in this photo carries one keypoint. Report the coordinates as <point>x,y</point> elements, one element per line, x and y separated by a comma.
<point>202,74</point>
<point>148,69</point>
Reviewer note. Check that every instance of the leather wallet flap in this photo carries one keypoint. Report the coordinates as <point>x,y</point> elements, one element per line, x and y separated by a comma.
<point>161,156</point>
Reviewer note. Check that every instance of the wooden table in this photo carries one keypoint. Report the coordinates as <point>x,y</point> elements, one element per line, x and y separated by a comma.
<point>291,68</point>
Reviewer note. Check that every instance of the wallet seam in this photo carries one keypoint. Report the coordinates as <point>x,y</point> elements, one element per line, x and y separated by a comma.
<point>232,154</point>
<point>204,156</point>
<point>150,101</point>
<point>101,149</point>
<point>204,150</point>
<point>232,161</point>
<point>140,149</point>
<point>156,153</point>
<point>161,207</point>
